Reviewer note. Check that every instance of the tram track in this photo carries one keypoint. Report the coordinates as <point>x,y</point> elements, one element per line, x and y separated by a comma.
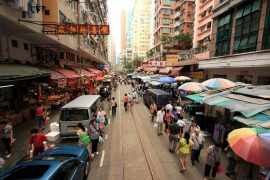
<point>143,146</point>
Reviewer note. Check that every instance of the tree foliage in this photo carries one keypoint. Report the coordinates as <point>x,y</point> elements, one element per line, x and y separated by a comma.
<point>128,66</point>
<point>182,41</point>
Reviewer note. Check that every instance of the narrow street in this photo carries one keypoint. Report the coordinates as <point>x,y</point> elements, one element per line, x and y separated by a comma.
<point>132,149</point>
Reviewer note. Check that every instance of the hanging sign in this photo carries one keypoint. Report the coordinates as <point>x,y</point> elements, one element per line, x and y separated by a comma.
<point>81,29</point>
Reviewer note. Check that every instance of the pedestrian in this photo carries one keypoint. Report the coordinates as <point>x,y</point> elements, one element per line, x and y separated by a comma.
<point>169,106</point>
<point>213,157</point>
<point>36,142</point>
<point>193,126</point>
<point>174,113</point>
<point>114,106</point>
<point>153,110</point>
<point>130,100</point>
<point>174,131</point>
<point>82,132</point>
<point>125,102</point>
<point>101,115</point>
<point>159,121</point>
<point>181,123</point>
<point>94,134</point>
<point>6,131</point>
<point>40,114</point>
<point>198,140</point>
<point>178,109</point>
<point>232,160</point>
<point>167,120</point>
<point>184,147</point>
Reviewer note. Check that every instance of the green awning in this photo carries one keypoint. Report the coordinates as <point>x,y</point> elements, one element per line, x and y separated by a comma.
<point>256,6</point>
<point>253,121</point>
<point>195,97</point>
<point>11,73</point>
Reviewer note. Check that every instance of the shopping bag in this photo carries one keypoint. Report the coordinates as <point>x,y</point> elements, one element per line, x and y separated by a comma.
<point>101,126</point>
<point>155,125</point>
<point>85,139</point>
<point>220,169</point>
<point>101,139</point>
<point>106,122</point>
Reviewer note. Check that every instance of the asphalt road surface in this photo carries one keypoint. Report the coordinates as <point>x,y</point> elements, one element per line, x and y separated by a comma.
<point>133,150</point>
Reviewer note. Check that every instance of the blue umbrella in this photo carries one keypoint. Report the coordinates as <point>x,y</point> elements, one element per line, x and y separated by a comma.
<point>167,80</point>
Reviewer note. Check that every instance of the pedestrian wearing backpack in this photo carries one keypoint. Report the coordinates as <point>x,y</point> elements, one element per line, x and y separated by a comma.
<point>84,139</point>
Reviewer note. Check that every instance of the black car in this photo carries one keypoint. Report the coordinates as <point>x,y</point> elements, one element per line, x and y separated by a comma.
<point>104,92</point>
<point>161,98</point>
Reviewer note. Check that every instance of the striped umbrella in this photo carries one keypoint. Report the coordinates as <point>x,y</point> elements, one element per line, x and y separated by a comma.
<point>250,145</point>
<point>218,83</point>
<point>192,87</point>
<point>182,78</point>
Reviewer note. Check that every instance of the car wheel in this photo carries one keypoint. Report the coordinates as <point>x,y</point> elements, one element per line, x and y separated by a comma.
<point>87,168</point>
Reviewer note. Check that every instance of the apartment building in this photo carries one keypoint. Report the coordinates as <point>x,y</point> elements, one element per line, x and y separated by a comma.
<point>123,30</point>
<point>140,24</point>
<point>240,42</point>
<point>129,29</point>
<point>28,35</point>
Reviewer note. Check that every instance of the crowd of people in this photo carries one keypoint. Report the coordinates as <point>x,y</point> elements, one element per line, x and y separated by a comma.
<point>187,140</point>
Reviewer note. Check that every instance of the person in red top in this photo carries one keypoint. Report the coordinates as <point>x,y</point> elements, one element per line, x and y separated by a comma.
<point>167,120</point>
<point>40,112</point>
<point>126,102</point>
<point>36,142</point>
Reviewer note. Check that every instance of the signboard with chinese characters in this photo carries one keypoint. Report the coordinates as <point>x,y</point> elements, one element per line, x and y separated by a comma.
<point>81,29</point>
<point>172,58</point>
<point>198,75</point>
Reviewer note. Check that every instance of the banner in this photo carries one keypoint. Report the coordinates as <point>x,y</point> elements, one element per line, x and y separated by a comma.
<point>172,58</point>
<point>82,29</point>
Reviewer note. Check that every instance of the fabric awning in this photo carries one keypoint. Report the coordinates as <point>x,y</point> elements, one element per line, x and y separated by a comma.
<point>165,70</point>
<point>55,75</point>
<point>84,72</point>
<point>94,71</point>
<point>195,97</point>
<point>10,73</point>
<point>258,120</point>
<point>68,73</point>
<point>175,71</point>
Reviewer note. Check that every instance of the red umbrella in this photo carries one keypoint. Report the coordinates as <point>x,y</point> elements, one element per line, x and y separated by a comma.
<point>99,78</point>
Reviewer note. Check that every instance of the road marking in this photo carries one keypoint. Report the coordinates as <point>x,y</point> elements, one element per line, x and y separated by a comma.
<point>106,136</point>
<point>102,158</point>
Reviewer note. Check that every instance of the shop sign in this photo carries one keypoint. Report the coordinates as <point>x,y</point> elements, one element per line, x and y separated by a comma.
<point>198,75</point>
<point>153,63</point>
<point>81,29</point>
<point>172,58</point>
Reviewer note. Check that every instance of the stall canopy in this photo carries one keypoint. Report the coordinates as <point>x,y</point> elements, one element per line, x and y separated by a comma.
<point>259,120</point>
<point>175,71</point>
<point>95,71</point>
<point>84,72</point>
<point>68,73</point>
<point>12,73</point>
<point>165,70</point>
<point>153,69</point>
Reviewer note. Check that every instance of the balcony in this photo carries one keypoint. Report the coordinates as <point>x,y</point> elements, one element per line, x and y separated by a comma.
<point>176,24</point>
<point>176,14</point>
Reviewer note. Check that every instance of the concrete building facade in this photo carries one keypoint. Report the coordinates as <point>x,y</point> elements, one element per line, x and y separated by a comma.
<point>123,30</point>
<point>140,42</point>
<point>27,36</point>
<point>240,42</point>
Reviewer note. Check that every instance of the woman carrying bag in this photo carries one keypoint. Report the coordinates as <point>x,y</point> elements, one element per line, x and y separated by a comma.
<point>95,136</point>
<point>84,139</point>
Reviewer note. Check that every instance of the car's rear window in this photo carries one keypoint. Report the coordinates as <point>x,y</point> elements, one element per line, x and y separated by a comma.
<point>74,114</point>
<point>57,157</point>
<point>28,172</point>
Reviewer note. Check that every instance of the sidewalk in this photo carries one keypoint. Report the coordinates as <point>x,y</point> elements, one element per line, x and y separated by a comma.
<point>21,134</point>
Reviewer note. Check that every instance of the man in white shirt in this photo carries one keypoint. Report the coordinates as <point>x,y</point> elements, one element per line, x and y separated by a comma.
<point>198,141</point>
<point>159,121</point>
<point>178,109</point>
<point>169,106</point>
<point>181,123</point>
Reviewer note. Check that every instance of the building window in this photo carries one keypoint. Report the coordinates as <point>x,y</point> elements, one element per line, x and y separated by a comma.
<point>167,11</point>
<point>247,26</point>
<point>223,35</point>
<point>25,46</point>
<point>166,21</point>
<point>263,80</point>
<point>166,30</point>
<point>167,2</point>
<point>14,43</point>
<point>266,33</point>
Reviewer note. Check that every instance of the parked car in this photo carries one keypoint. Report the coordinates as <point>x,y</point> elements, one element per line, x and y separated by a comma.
<point>161,98</point>
<point>66,162</point>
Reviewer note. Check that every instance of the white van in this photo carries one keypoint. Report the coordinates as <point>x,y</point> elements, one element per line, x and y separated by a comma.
<point>80,110</point>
